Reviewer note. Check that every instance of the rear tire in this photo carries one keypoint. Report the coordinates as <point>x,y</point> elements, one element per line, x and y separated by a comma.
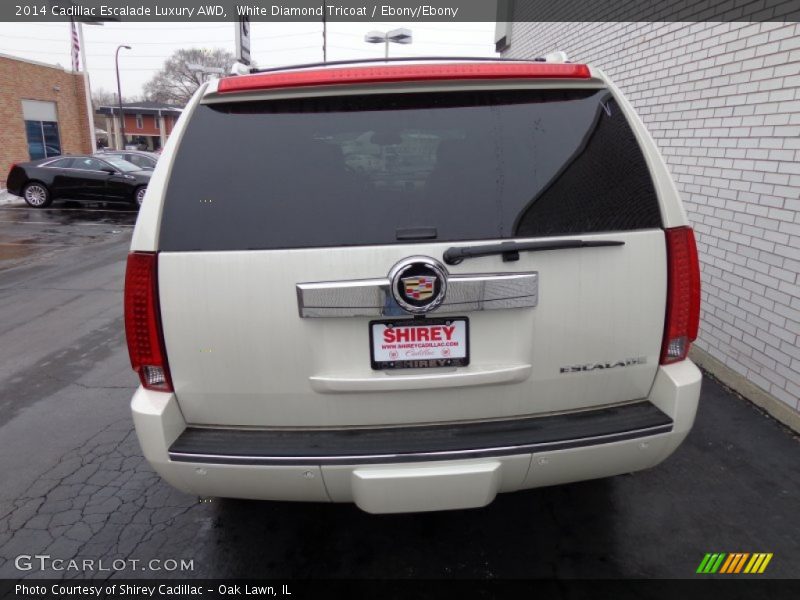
<point>36,194</point>
<point>138,195</point>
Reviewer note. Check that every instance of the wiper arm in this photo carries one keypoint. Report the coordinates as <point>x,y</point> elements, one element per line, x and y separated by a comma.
<point>511,250</point>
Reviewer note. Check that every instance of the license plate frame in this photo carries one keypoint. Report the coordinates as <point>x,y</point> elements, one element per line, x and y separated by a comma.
<point>421,362</point>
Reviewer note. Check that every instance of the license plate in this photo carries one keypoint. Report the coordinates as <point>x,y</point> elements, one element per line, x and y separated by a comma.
<point>419,344</point>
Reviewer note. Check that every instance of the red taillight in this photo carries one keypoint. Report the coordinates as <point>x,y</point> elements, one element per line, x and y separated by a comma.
<point>396,74</point>
<point>143,322</point>
<point>683,295</point>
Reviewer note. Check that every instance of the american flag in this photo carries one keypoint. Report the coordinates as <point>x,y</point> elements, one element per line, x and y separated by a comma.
<point>76,46</point>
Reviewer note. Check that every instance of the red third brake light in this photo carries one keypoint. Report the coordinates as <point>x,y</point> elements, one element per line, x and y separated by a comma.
<point>397,74</point>
<point>683,295</point>
<point>143,322</point>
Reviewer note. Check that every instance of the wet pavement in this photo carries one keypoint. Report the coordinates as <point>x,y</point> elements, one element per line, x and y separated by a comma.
<point>74,484</point>
<point>27,234</point>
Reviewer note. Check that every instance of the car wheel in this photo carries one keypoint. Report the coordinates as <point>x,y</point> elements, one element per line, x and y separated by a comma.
<point>139,195</point>
<point>36,194</point>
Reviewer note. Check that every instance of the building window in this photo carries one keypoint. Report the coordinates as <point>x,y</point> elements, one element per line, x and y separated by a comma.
<point>158,121</point>
<point>139,122</point>
<point>41,129</point>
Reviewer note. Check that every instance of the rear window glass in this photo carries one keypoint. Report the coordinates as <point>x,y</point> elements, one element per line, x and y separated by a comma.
<point>373,169</point>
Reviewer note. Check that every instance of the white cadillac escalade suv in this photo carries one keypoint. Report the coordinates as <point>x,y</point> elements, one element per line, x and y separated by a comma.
<point>410,285</point>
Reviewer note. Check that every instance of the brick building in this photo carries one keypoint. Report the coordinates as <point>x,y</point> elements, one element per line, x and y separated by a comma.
<point>722,101</point>
<point>147,124</point>
<point>42,112</point>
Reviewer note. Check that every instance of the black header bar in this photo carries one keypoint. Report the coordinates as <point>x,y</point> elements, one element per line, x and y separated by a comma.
<point>401,11</point>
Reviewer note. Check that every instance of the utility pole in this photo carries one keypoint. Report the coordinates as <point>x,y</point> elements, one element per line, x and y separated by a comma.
<point>324,31</point>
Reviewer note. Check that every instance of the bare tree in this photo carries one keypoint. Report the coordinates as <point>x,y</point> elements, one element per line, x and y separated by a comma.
<point>103,97</point>
<point>176,82</point>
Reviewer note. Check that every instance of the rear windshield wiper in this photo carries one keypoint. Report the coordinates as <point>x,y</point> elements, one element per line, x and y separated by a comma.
<point>511,250</point>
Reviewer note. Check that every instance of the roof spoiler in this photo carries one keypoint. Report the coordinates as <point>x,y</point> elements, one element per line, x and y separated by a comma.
<point>360,75</point>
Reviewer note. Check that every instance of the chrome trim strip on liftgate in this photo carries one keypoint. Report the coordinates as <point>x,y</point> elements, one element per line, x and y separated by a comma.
<point>373,298</point>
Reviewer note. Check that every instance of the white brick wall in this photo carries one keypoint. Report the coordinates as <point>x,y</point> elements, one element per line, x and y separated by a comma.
<point>722,101</point>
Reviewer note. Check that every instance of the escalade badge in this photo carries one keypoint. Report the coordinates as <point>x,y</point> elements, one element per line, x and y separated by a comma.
<point>418,284</point>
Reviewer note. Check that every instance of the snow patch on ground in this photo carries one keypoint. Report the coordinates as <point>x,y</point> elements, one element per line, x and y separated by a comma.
<point>8,198</point>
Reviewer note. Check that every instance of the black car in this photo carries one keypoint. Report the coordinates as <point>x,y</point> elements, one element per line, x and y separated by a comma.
<point>140,158</point>
<point>110,178</point>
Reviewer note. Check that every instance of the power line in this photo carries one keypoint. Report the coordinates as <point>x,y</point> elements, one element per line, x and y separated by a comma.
<point>65,55</point>
<point>64,25</point>
<point>16,50</point>
<point>457,43</point>
<point>65,39</point>
<point>149,26</point>
<point>364,47</point>
<point>149,69</point>
<point>284,35</point>
<point>450,29</point>
<point>66,51</point>
<point>315,47</point>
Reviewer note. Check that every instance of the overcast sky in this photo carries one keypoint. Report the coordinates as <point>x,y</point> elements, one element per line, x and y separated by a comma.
<point>273,44</point>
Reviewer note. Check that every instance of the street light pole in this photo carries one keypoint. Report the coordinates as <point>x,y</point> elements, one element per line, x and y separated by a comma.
<point>397,36</point>
<point>119,97</point>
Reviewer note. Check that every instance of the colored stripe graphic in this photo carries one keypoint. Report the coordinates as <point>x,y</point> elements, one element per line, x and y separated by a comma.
<point>755,561</point>
<point>758,563</point>
<point>711,563</point>
<point>703,563</point>
<point>717,563</point>
<point>727,564</point>
<point>764,564</point>
<point>734,563</point>
<point>741,562</point>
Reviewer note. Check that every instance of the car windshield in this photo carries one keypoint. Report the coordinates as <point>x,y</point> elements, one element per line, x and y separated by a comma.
<point>121,165</point>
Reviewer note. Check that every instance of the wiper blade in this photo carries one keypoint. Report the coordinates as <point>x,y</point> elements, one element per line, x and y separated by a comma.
<point>511,250</point>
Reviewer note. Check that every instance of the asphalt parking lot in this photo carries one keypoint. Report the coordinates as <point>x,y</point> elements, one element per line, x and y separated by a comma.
<point>74,484</point>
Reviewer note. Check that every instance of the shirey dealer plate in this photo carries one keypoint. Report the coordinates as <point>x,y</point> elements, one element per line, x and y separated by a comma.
<point>419,343</point>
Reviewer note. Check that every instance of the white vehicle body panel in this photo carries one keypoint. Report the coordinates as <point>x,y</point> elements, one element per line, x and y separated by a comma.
<point>272,368</point>
<point>436,485</point>
<point>242,357</point>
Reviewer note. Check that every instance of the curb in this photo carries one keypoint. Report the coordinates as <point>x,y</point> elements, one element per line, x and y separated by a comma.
<point>740,384</point>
